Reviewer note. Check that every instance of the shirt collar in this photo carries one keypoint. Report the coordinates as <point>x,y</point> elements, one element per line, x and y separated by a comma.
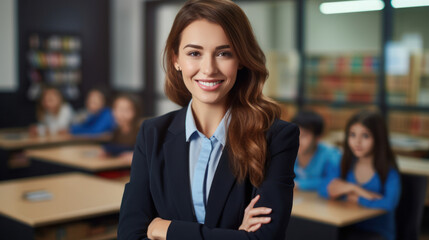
<point>191,128</point>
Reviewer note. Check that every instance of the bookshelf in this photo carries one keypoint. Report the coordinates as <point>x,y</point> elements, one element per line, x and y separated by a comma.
<point>347,78</point>
<point>337,85</point>
<point>54,59</point>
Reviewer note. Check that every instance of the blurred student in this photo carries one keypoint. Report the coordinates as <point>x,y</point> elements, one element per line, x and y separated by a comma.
<point>368,175</point>
<point>127,114</point>
<point>314,158</point>
<point>99,118</point>
<point>54,115</point>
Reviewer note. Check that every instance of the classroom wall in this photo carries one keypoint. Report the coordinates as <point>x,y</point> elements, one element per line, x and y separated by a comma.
<point>127,45</point>
<point>89,19</point>
<point>411,21</point>
<point>164,17</point>
<point>352,32</point>
<point>8,70</point>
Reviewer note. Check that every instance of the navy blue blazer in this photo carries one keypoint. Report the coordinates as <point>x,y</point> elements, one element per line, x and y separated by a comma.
<point>160,186</point>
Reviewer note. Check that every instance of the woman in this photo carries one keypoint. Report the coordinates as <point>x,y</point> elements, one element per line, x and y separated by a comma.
<point>195,170</point>
<point>368,175</point>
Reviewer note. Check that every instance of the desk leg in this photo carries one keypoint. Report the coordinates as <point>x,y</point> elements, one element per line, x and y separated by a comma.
<point>4,168</point>
<point>11,229</point>
<point>14,164</point>
<point>411,206</point>
<point>302,229</point>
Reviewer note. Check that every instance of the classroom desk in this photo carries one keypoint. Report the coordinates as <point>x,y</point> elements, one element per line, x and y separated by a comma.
<point>84,158</point>
<point>325,218</point>
<point>15,140</point>
<point>12,142</point>
<point>76,196</point>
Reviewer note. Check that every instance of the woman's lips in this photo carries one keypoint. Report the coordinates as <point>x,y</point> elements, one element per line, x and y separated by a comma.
<point>209,85</point>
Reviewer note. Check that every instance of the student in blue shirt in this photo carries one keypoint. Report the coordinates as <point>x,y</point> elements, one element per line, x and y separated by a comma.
<point>368,174</point>
<point>99,118</point>
<point>314,158</point>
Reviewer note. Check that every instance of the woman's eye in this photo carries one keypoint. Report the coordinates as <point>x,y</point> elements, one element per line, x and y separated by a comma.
<point>194,54</point>
<point>365,135</point>
<point>225,54</point>
<point>352,134</point>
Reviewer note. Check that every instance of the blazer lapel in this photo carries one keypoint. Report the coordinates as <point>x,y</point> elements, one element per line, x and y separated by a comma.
<point>219,191</point>
<point>176,152</point>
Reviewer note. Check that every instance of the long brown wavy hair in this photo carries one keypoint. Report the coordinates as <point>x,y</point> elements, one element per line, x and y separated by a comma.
<point>251,112</point>
<point>384,158</point>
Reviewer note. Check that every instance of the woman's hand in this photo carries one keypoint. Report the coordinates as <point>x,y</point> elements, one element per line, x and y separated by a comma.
<point>361,192</point>
<point>126,157</point>
<point>158,228</point>
<point>352,197</point>
<point>338,187</point>
<point>251,222</point>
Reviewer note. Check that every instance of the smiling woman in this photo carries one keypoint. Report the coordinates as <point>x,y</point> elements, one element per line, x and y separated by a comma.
<point>222,166</point>
<point>207,62</point>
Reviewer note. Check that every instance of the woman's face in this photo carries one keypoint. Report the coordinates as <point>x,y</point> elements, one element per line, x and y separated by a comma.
<point>51,101</point>
<point>95,101</point>
<point>207,61</point>
<point>123,112</point>
<point>360,140</point>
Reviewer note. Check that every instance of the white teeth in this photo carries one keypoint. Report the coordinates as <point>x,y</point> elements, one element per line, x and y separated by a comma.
<point>209,84</point>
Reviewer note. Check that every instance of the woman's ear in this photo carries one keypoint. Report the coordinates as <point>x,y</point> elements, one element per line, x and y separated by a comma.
<point>176,64</point>
<point>240,66</point>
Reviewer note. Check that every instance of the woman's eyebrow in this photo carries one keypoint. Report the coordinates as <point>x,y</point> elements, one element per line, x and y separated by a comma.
<point>193,46</point>
<point>200,47</point>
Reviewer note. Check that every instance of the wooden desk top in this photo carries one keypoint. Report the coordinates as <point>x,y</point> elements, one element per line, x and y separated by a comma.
<point>75,196</point>
<point>19,139</point>
<point>411,165</point>
<point>86,157</point>
<point>309,205</point>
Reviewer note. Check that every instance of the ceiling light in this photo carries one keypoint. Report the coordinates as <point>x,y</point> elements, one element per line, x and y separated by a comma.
<point>409,3</point>
<point>351,6</point>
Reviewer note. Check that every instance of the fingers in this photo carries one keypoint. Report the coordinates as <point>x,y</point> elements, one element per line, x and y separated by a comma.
<point>377,196</point>
<point>258,211</point>
<point>254,228</point>
<point>252,203</point>
<point>258,220</point>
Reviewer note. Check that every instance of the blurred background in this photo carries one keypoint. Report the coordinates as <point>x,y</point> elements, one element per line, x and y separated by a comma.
<point>325,57</point>
<point>333,63</point>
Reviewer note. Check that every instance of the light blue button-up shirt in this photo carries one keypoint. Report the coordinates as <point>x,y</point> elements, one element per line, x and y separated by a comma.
<point>195,139</point>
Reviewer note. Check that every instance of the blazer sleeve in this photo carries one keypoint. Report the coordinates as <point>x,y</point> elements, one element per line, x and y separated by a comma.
<point>276,192</point>
<point>137,208</point>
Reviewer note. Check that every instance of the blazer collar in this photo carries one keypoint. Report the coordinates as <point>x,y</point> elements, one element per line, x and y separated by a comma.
<point>222,183</point>
<point>176,153</point>
<point>177,126</point>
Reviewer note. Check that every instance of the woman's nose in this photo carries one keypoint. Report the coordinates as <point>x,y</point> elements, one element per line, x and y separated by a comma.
<point>208,65</point>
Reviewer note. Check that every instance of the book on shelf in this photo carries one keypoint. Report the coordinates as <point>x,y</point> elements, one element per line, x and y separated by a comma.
<point>342,78</point>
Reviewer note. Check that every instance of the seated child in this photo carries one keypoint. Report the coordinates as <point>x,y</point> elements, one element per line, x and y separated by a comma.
<point>54,115</point>
<point>314,158</point>
<point>368,174</point>
<point>99,118</point>
<point>127,113</point>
